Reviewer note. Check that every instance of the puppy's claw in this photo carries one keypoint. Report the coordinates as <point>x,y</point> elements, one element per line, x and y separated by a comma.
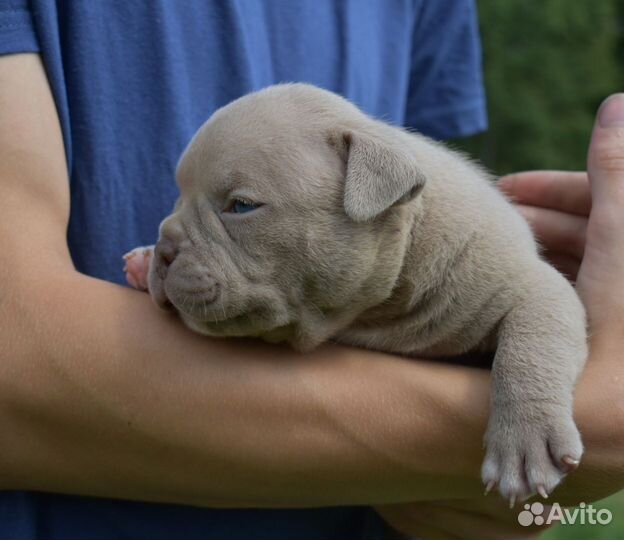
<point>489,487</point>
<point>570,463</point>
<point>512,501</point>
<point>542,491</point>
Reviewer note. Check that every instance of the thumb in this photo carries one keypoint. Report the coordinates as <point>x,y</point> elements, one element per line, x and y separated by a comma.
<point>605,160</point>
<point>600,281</point>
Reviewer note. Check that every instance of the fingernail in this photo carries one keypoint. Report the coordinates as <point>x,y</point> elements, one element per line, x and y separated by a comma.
<point>611,112</point>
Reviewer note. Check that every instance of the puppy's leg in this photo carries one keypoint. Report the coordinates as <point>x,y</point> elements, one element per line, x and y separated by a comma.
<point>531,438</point>
<point>137,266</point>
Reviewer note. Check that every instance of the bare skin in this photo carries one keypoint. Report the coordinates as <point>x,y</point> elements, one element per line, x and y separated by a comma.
<point>217,423</point>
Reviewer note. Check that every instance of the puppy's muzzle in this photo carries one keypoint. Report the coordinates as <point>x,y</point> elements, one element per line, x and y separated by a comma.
<point>164,255</point>
<point>184,284</point>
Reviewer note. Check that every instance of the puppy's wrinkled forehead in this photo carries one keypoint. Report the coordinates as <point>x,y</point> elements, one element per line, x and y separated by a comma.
<point>265,140</point>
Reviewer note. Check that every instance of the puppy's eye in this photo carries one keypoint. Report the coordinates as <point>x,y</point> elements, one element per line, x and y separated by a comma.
<point>241,206</point>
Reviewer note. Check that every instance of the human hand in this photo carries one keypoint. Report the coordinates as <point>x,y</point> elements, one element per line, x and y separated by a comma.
<point>579,219</point>
<point>557,205</point>
<point>599,403</point>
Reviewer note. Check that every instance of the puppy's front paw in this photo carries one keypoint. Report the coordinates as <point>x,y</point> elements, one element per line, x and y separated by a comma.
<point>137,266</point>
<point>529,451</point>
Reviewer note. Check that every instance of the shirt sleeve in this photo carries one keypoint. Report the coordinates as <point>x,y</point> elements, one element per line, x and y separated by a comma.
<point>17,32</point>
<point>446,96</point>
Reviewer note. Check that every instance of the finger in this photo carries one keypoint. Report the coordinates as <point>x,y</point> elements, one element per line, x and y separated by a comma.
<point>559,190</point>
<point>605,161</point>
<point>601,275</point>
<point>557,232</point>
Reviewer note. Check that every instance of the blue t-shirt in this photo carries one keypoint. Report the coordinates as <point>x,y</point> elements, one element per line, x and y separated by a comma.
<point>134,79</point>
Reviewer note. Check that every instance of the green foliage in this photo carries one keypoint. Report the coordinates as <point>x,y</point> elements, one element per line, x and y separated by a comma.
<point>613,531</point>
<point>548,65</point>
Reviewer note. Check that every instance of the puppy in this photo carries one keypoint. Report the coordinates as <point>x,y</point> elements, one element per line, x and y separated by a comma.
<point>302,220</point>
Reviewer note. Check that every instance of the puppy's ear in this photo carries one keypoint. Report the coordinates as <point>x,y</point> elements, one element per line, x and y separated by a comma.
<point>381,172</point>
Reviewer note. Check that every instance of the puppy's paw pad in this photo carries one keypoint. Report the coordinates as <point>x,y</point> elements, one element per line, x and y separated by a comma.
<point>137,266</point>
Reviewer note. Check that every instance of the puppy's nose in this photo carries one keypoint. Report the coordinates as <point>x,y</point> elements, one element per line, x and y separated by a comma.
<point>171,235</point>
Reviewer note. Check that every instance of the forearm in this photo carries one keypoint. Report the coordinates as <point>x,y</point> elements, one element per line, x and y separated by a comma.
<point>124,387</point>
<point>95,379</point>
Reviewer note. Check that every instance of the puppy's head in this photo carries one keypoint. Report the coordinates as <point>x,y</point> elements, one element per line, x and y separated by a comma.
<point>291,218</point>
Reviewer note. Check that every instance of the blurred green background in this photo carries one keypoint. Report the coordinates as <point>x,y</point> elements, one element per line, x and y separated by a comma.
<point>548,65</point>
<point>612,531</point>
